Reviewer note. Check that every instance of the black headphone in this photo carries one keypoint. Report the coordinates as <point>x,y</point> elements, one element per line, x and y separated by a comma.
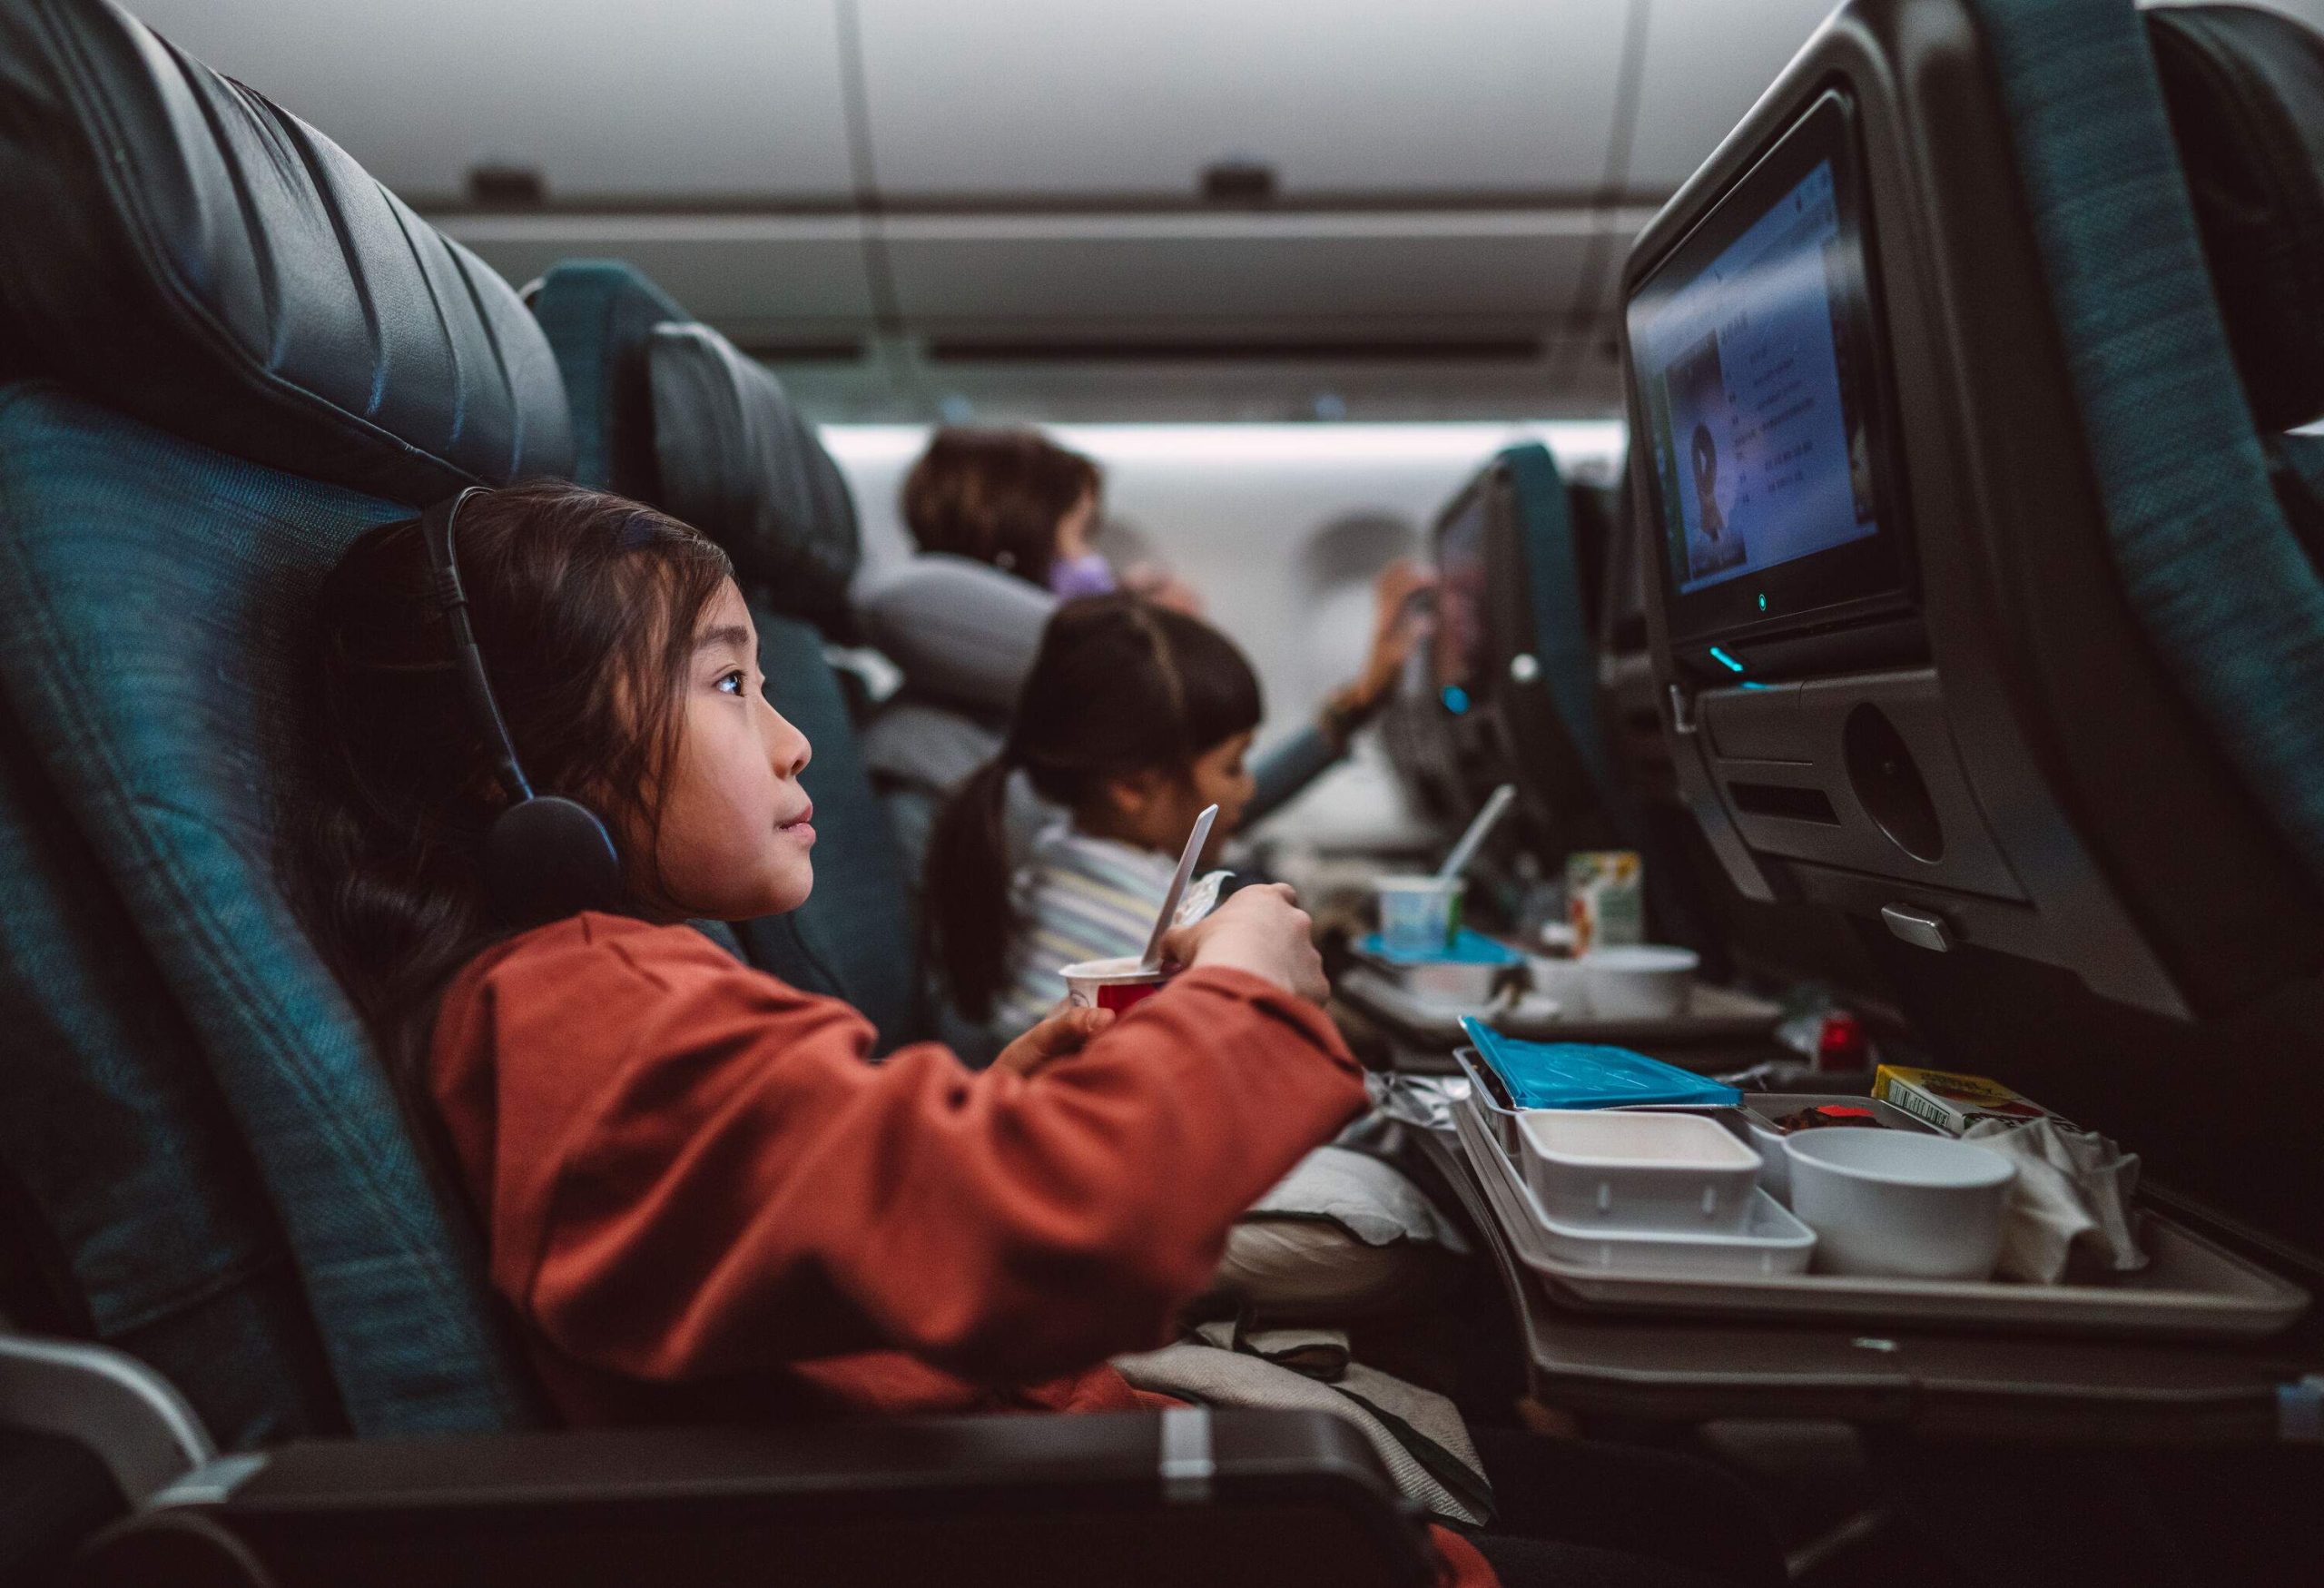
<point>545,855</point>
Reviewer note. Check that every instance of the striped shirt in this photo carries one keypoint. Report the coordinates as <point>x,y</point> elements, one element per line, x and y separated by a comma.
<point>1078,898</point>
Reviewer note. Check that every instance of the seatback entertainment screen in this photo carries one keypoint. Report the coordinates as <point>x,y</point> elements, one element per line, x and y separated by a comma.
<point>1752,350</point>
<point>1459,642</point>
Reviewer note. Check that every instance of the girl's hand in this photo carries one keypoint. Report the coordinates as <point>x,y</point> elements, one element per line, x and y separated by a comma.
<point>1064,1033</point>
<point>1261,929</point>
<point>1396,627</point>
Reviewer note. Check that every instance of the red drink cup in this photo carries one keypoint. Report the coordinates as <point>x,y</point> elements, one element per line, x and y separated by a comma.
<point>1115,984</point>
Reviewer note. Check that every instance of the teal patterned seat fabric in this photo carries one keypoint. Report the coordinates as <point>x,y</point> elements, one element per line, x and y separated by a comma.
<point>1566,646</point>
<point>2216,576</point>
<point>230,351</point>
<point>168,1020</point>
<point>732,457</point>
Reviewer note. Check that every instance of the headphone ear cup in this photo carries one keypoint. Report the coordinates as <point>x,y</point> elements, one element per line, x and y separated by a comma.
<point>548,857</point>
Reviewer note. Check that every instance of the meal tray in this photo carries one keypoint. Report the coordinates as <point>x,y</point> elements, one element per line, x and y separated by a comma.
<point>2190,1288</point>
<point>1717,1014</point>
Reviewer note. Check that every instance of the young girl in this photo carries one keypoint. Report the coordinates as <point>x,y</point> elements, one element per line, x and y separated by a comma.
<point>1133,719</point>
<point>700,1199</point>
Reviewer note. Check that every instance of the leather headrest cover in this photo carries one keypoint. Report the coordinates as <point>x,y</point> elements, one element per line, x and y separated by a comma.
<point>739,464</point>
<point>960,631</point>
<point>186,253</point>
<point>2245,92</point>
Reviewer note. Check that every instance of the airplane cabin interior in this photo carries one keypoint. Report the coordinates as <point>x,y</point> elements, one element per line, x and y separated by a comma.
<point>1755,571</point>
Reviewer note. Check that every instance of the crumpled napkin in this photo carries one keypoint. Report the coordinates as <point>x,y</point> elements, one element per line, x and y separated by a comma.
<point>2072,1192</point>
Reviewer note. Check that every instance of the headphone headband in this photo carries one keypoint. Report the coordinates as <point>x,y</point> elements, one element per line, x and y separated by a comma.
<point>545,855</point>
<point>436,529</point>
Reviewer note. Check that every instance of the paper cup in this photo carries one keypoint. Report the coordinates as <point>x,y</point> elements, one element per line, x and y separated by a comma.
<point>1419,915</point>
<point>1115,984</point>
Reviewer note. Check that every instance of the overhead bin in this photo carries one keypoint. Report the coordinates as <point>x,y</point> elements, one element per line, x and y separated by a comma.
<point>674,103</point>
<point>775,283</point>
<point>1462,278</point>
<point>1059,100</point>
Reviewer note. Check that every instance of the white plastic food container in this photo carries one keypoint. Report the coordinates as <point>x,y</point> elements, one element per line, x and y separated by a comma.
<point>1453,984</point>
<point>1639,980</point>
<point>1615,1169</point>
<point>1898,1204</point>
<point>1770,1241</point>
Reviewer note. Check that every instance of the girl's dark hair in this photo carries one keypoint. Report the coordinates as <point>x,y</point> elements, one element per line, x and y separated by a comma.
<point>585,606</point>
<point>1119,687</point>
<point>996,497</point>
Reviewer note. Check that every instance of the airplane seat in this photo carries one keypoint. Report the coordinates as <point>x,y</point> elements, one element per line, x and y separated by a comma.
<point>2024,689</point>
<point>668,411</point>
<point>192,1107</point>
<point>2244,90</point>
<point>242,352</point>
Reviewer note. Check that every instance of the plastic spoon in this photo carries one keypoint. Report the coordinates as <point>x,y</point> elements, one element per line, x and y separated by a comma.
<point>1152,958</point>
<point>1464,851</point>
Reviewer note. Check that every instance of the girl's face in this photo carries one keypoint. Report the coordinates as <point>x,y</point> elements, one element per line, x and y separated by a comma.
<point>735,840</point>
<point>1156,811</point>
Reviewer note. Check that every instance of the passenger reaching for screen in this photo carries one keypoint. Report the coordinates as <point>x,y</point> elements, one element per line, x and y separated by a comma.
<point>699,1197</point>
<point>1019,502</point>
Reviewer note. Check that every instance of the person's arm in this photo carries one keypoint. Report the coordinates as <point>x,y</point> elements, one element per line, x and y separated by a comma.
<point>743,1189</point>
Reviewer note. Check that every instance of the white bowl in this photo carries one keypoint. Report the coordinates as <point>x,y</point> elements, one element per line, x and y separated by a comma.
<point>1561,979</point>
<point>1640,1171</point>
<point>1892,1202</point>
<point>1639,980</point>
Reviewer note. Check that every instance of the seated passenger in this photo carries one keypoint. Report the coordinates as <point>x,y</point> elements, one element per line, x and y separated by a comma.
<point>1019,502</point>
<point>1133,719</point>
<point>701,1201</point>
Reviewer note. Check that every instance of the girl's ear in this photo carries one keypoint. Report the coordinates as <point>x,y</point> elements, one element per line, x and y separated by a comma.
<point>1129,798</point>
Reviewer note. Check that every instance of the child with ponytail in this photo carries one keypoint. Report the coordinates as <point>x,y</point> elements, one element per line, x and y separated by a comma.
<point>1133,719</point>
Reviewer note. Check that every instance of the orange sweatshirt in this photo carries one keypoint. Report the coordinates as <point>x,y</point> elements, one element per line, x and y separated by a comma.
<point>706,1204</point>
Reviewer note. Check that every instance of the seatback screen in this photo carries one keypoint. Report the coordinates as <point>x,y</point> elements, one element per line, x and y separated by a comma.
<point>1752,359</point>
<point>1460,641</point>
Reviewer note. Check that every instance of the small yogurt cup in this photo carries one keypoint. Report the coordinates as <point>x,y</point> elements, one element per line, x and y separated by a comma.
<point>1115,984</point>
<point>1419,915</point>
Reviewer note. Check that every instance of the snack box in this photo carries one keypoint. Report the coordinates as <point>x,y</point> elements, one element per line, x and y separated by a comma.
<point>1954,1102</point>
<point>1605,898</point>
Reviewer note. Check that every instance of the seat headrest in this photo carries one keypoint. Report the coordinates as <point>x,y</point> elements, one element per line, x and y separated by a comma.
<point>738,463</point>
<point>960,632</point>
<point>187,253</point>
<point>2245,93</point>
<point>599,314</point>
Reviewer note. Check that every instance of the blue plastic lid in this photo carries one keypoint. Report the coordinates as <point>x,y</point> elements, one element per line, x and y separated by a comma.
<point>1469,948</point>
<point>1587,1075</point>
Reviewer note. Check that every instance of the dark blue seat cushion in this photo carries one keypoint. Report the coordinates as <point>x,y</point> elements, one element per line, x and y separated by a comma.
<point>155,594</point>
<point>598,315</point>
<point>191,255</point>
<point>738,462</point>
<point>852,939</point>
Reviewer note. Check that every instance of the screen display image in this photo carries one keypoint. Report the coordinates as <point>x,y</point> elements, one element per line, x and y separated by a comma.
<point>1460,641</point>
<point>1759,437</point>
<point>1751,348</point>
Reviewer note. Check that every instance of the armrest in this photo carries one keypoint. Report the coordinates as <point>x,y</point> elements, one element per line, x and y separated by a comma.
<point>1182,1497</point>
<point>122,1412</point>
